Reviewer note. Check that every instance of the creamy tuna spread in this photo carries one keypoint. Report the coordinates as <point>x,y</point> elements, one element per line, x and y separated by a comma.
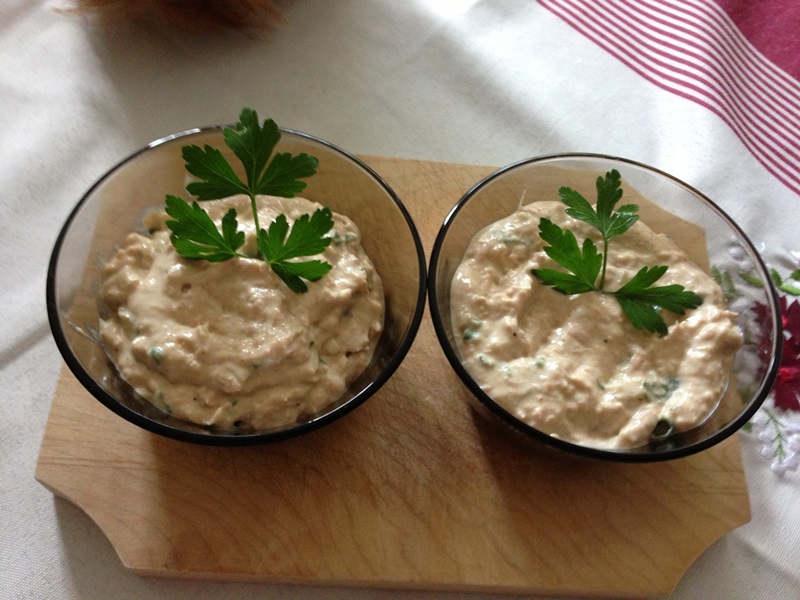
<point>228,344</point>
<point>573,366</point>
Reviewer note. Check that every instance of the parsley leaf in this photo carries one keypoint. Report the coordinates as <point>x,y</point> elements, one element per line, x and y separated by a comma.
<point>640,301</point>
<point>609,191</point>
<point>282,177</point>
<point>306,238</point>
<point>194,233</point>
<point>218,180</point>
<point>252,143</point>
<point>639,298</point>
<point>583,264</point>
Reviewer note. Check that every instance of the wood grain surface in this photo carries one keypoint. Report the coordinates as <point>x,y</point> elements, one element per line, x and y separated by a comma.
<point>412,490</point>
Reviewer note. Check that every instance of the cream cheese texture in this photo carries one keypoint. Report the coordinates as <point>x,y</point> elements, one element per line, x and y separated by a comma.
<point>573,366</point>
<point>228,344</point>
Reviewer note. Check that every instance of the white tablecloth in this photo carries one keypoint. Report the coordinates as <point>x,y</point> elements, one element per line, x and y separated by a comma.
<point>473,81</point>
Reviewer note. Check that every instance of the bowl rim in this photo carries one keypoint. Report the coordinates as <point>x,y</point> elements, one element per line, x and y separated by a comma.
<point>223,438</point>
<point>622,455</point>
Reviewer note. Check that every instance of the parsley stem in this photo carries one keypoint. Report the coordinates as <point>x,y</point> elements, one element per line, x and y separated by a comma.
<point>605,262</point>
<point>255,217</point>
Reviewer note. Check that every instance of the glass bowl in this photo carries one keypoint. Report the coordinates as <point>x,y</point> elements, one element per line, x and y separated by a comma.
<point>675,209</point>
<point>116,204</point>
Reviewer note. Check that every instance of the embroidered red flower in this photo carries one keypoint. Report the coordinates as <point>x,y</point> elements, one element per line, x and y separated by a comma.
<point>779,430</point>
<point>787,385</point>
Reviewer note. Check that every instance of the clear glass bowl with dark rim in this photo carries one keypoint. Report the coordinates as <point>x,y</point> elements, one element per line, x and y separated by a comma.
<point>728,248</point>
<point>116,204</point>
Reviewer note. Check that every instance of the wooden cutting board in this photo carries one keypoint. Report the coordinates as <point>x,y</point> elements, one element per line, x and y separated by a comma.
<point>412,490</point>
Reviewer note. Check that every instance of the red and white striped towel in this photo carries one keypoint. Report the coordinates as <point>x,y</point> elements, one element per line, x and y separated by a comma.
<point>738,58</point>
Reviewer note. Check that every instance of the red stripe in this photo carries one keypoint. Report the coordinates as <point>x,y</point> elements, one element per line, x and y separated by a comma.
<point>668,80</point>
<point>735,94</point>
<point>772,26</point>
<point>735,87</point>
<point>693,49</point>
<point>715,27</point>
<point>731,58</point>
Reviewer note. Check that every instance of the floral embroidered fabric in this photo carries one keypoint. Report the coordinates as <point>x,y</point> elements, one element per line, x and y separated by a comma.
<point>777,423</point>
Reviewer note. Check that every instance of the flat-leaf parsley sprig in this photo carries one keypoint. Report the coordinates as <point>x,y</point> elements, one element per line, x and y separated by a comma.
<point>639,298</point>
<point>194,233</point>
